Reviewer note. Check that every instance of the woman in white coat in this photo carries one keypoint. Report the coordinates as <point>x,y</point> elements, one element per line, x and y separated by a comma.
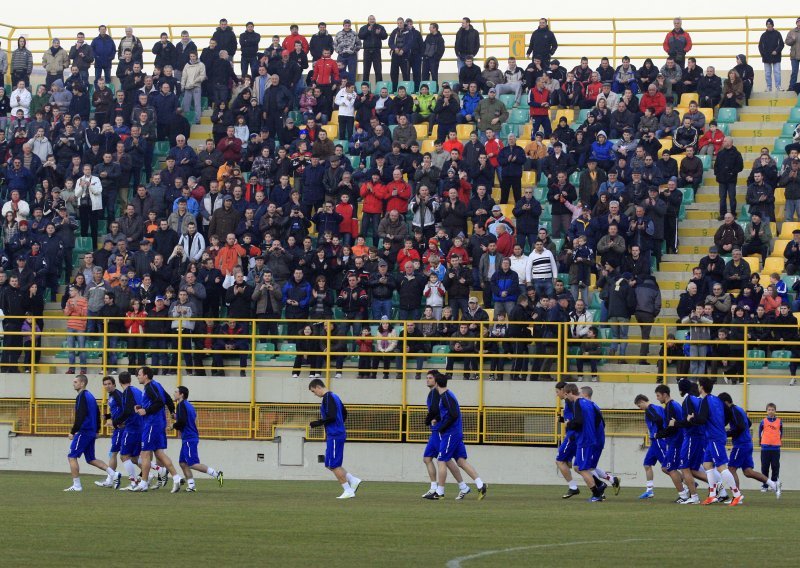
<point>20,98</point>
<point>89,195</point>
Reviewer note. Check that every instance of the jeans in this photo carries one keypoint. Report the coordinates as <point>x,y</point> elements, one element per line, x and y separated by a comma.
<point>251,63</point>
<point>793,77</point>
<point>104,70</point>
<point>349,62</point>
<point>543,286</point>
<point>189,96</point>
<point>697,366</point>
<point>771,69</point>
<point>76,338</point>
<point>221,93</point>
<point>370,220</point>
<point>399,65</point>
<point>346,124</point>
<point>430,70</point>
<point>619,332</point>
<point>510,88</point>
<point>415,67</point>
<point>459,304</point>
<point>544,122</point>
<point>792,208</point>
<point>504,307</point>
<point>529,238</point>
<point>381,308</point>
<point>406,314</point>
<point>729,190</point>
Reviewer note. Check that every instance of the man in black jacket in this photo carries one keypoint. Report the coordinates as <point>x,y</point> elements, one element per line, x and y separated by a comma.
<point>468,42</point>
<point>372,36</point>
<point>248,41</point>
<point>409,287</point>
<point>543,43</point>
<point>225,39</point>
<point>14,303</point>
<point>727,167</point>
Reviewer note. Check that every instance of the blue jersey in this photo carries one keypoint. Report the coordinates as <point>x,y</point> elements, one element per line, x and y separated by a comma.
<point>740,424</point>
<point>712,409</point>
<point>673,410</point>
<point>600,425</point>
<point>88,411</point>
<point>586,419</point>
<point>433,409</point>
<point>568,414</point>
<point>691,405</point>
<point>132,396</point>
<point>654,419</point>
<point>115,406</point>
<point>450,414</point>
<point>154,394</point>
<point>186,421</point>
<point>332,410</point>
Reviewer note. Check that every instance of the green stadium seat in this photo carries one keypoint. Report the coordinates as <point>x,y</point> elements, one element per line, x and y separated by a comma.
<point>547,212</point>
<point>287,352</point>
<point>381,84</point>
<point>778,159</point>
<point>190,115</point>
<point>519,116</point>
<point>562,276</point>
<point>794,115</point>
<point>83,244</point>
<point>297,116</point>
<point>433,86</point>
<point>725,128</point>
<point>161,148</point>
<point>540,193</point>
<point>203,101</point>
<point>391,128</point>
<point>542,181</point>
<point>595,303</point>
<point>682,212</point>
<point>788,129</point>
<point>508,100</point>
<point>509,128</point>
<point>688,194</point>
<point>681,335</point>
<point>726,115</point>
<point>355,161</point>
<point>706,159</point>
<point>582,114</point>
<point>262,348</point>
<point>781,143</point>
<point>782,354</point>
<point>409,85</point>
<point>560,243</point>
<point>440,357</point>
<point>575,178</point>
<point>755,359</point>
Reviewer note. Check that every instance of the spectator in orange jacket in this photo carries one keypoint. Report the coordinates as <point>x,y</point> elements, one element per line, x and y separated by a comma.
<point>653,98</point>
<point>228,256</point>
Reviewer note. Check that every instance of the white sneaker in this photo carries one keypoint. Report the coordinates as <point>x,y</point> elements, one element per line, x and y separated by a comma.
<point>792,382</point>
<point>764,489</point>
<point>778,488</point>
<point>116,481</point>
<point>72,488</point>
<point>106,483</point>
<point>354,486</point>
<point>176,484</point>
<point>580,378</point>
<point>595,379</point>
<point>141,487</point>
<point>462,494</point>
<point>163,474</point>
<point>337,376</point>
<point>347,495</point>
<point>693,500</point>
<point>131,487</point>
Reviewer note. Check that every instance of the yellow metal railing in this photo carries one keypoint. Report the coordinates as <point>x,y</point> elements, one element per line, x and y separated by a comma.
<point>551,353</point>
<point>715,38</point>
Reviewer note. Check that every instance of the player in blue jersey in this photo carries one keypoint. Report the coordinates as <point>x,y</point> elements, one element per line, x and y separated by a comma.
<point>154,429</point>
<point>711,416</point>
<point>585,423</point>
<point>739,431</point>
<point>566,450</point>
<point>84,433</point>
<point>114,411</point>
<point>601,477</point>
<point>673,439</point>
<point>129,424</point>
<point>432,419</point>
<point>693,444</point>
<point>656,453</point>
<point>186,424</point>
<point>333,415</point>
<point>451,443</point>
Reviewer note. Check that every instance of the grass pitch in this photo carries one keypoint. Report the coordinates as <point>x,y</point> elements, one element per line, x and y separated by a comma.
<point>300,523</point>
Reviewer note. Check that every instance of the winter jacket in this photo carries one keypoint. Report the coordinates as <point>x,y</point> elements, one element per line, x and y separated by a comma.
<point>346,42</point>
<point>732,234</point>
<point>193,76</point>
<point>248,41</point>
<point>488,109</point>
<point>433,47</point>
<point>792,38</point>
<point>372,39</point>
<point>542,44</point>
<point>54,64</point>
<point>104,50</point>
<point>226,40</point>
<point>728,165</point>
<point>621,298</point>
<point>165,54</point>
<point>677,43</point>
<point>22,60</point>
<point>771,41</point>
<point>468,42</point>
<point>505,282</point>
<point>82,57</point>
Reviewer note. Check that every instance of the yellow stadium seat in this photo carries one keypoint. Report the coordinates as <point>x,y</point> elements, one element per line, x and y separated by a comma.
<point>332,130</point>
<point>686,98</point>
<point>422,131</point>
<point>666,144</point>
<point>334,117</point>
<point>679,159</point>
<point>754,262</point>
<point>780,196</point>
<point>490,313</point>
<point>529,178</point>
<point>527,130</point>
<point>778,246</point>
<point>427,145</point>
<point>464,130</point>
<point>567,113</point>
<point>787,228</point>
<point>682,110</point>
<point>435,131</point>
<point>507,209</point>
<point>773,264</point>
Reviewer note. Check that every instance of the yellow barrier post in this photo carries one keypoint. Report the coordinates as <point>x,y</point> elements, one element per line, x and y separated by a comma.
<point>404,369</point>
<point>179,351</point>
<point>481,331</point>
<point>253,338</point>
<point>745,382</point>
<point>327,353</point>
<point>664,360</point>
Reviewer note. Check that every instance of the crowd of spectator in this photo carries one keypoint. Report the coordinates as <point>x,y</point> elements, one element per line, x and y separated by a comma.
<point>274,217</point>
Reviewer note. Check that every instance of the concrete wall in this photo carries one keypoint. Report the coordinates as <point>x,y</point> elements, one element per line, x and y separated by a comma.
<point>373,462</point>
<point>281,387</point>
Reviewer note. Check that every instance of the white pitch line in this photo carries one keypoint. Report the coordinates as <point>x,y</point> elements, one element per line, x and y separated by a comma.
<point>457,562</point>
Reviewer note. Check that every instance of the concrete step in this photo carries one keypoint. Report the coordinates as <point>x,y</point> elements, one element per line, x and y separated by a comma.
<point>702,214</point>
<point>768,115</point>
<point>742,132</point>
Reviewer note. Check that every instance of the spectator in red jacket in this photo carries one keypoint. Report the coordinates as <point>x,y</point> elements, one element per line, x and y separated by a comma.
<point>711,140</point>
<point>408,253</point>
<point>373,194</point>
<point>653,98</point>
<point>398,192</point>
<point>539,103</point>
<point>230,147</point>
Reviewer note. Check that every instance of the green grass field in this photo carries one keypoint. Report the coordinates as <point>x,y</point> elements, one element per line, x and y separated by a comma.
<point>286,523</point>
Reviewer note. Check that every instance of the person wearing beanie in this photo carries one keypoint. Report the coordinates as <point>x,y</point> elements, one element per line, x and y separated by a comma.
<point>770,46</point>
